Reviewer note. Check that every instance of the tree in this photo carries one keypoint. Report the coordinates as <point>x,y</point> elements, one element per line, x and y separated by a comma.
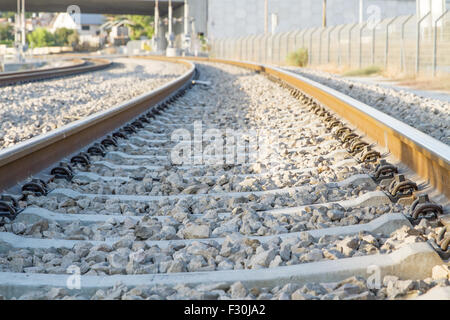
<point>73,40</point>
<point>12,15</point>
<point>40,37</point>
<point>142,26</point>
<point>6,34</point>
<point>62,35</point>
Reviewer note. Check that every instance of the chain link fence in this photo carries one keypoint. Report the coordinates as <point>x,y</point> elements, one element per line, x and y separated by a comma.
<point>401,44</point>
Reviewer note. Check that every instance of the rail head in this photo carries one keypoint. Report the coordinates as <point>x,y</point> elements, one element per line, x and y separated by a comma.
<point>75,63</point>
<point>425,155</point>
<point>29,157</point>
<point>407,133</point>
<point>86,65</point>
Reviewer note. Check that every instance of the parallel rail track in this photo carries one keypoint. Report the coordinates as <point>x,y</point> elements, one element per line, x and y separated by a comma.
<point>140,151</point>
<point>79,66</point>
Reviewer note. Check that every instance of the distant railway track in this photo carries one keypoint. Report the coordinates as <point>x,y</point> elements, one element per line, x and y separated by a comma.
<point>120,207</point>
<point>79,66</point>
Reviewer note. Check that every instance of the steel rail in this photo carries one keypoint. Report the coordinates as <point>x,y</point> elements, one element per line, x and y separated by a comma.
<point>426,156</point>
<point>30,157</point>
<point>75,63</point>
<point>81,66</point>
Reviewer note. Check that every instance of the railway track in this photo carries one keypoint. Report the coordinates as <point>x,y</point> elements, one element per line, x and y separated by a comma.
<point>78,66</point>
<point>278,198</point>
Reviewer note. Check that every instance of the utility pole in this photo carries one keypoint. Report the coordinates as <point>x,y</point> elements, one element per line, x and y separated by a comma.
<point>17,23</point>
<point>324,14</point>
<point>20,26</point>
<point>266,17</point>
<point>24,24</point>
<point>170,25</point>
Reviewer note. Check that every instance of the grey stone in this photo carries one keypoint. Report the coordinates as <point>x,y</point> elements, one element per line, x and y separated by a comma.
<point>176,266</point>
<point>195,231</point>
<point>238,290</point>
<point>347,245</point>
<point>262,259</point>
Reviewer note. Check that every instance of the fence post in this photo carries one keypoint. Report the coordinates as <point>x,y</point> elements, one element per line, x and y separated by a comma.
<point>303,38</point>
<point>254,44</point>
<point>295,39</point>
<point>272,45</point>
<point>245,52</point>
<point>310,46</point>
<point>329,43</point>
<point>386,47</point>
<point>266,48</point>
<point>360,44</point>
<point>279,48</point>
<point>418,42</point>
<point>373,42</point>
<point>320,45</point>
<point>403,43</point>
<point>339,44</point>
<point>435,42</point>
<point>287,46</point>
<point>350,44</point>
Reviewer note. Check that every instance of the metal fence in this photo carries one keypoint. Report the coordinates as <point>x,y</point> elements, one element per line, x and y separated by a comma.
<point>401,44</point>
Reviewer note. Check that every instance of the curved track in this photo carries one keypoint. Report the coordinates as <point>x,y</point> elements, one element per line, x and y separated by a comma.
<point>315,201</point>
<point>79,66</point>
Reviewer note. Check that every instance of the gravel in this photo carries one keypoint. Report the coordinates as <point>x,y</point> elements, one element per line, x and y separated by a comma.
<point>425,114</point>
<point>130,255</point>
<point>250,102</point>
<point>180,223</point>
<point>31,109</point>
<point>353,288</point>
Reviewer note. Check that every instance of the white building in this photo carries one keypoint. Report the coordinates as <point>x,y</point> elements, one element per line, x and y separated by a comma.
<point>88,27</point>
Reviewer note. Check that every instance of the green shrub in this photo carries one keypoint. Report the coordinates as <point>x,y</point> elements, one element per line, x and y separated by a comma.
<point>73,40</point>
<point>298,58</point>
<point>6,33</point>
<point>41,37</point>
<point>8,43</point>
<point>62,36</point>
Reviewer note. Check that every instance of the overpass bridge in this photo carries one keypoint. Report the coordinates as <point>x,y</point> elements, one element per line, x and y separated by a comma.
<point>142,7</point>
<point>171,33</point>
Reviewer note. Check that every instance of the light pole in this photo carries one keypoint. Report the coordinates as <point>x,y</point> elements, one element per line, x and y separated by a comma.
<point>20,25</point>
<point>24,24</point>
